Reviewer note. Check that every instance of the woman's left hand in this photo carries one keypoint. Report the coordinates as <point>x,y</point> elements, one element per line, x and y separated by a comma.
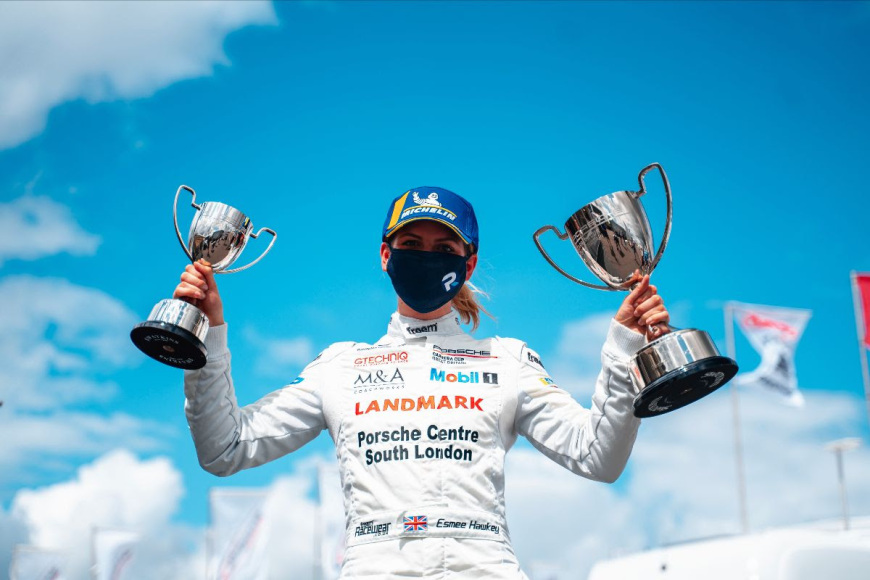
<point>643,311</point>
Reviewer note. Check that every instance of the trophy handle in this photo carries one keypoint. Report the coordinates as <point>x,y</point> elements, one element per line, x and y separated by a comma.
<point>175,217</point>
<point>552,263</point>
<point>667,233</point>
<point>263,255</point>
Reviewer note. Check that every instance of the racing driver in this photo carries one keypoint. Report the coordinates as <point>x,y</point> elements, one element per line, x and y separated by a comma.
<point>422,417</point>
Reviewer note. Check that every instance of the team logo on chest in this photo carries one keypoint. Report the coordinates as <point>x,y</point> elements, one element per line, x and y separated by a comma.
<point>458,356</point>
<point>378,380</point>
<point>396,357</point>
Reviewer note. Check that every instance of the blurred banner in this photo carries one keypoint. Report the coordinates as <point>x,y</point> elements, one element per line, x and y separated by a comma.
<point>331,529</point>
<point>862,305</point>
<point>774,332</point>
<point>113,552</point>
<point>237,536</point>
<point>30,563</point>
<point>861,299</point>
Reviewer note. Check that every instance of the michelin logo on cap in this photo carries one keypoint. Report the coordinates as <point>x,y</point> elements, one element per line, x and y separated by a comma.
<point>436,204</point>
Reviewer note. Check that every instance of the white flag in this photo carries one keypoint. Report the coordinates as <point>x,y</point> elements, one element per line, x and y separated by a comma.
<point>774,332</point>
<point>331,530</point>
<point>30,563</point>
<point>237,535</point>
<point>113,552</point>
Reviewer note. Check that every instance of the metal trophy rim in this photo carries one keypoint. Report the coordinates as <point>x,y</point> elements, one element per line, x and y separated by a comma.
<point>637,195</point>
<point>199,207</point>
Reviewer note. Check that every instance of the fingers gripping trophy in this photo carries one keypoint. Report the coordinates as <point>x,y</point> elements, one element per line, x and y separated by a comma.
<point>175,331</point>
<point>612,235</point>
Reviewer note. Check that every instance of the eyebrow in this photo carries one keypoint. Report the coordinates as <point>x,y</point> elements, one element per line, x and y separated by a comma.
<point>449,238</point>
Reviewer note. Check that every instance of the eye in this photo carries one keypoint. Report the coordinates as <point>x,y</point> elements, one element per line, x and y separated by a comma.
<point>447,248</point>
<point>409,243</point>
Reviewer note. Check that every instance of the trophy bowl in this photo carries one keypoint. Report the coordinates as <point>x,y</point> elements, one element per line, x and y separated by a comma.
<point>613,237</point>
<point>175,331</point>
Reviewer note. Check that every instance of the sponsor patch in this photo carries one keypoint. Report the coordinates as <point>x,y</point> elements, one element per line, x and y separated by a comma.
<point>416,523</point>
<point>370,528</point>
<point>452,356</point>
<point>378,380</point>
<point>533,358</point>
<point>490,378</point>
<point>396,357</point>
<point>421,329</point>
<point>422,403</point>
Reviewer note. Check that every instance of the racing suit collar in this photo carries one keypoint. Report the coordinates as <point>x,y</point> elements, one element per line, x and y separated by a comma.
<point>407,327</point>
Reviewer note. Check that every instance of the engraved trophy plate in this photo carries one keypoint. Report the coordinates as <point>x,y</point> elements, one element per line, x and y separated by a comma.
<point>175,331</point>
<point>612,236</point>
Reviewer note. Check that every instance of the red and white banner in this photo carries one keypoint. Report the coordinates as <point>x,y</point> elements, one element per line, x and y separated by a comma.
<point>862,306</point>
<point>331,532</point>
<point>237,536</point>
<point>774,332</point>
<point>113,553</point>
<point>29,563</point>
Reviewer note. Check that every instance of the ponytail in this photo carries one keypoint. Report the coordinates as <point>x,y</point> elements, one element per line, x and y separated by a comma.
<point>468,306</point>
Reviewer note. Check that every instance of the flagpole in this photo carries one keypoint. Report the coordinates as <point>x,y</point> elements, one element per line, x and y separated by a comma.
<point>94,570</point>
<point>735,406</point>
<point>318,540</point>
<point>862,350</point>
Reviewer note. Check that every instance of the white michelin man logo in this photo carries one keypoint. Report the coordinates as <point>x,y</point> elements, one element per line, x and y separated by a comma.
<point>432,199</point>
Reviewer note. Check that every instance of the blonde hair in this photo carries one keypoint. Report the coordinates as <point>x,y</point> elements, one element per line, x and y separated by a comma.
<point>467,305</point>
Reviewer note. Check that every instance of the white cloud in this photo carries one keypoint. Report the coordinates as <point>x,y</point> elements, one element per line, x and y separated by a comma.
<point>58,344</point>
<point>52,52</point>
<point>681,481</point>
<point>577,359</point>
<point>560,522</point>
<point>37,226</point>
<point>57,337</point>
<point>120,491</point>
<point>40,442</point>
<point>279,357</point>
<point>117,491</point>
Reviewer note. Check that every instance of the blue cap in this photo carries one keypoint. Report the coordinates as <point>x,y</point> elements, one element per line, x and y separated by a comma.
<point>436,204</point>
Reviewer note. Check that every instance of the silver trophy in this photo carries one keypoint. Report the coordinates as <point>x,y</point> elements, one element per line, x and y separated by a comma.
<point>613,237</point>
<point>175,331</point>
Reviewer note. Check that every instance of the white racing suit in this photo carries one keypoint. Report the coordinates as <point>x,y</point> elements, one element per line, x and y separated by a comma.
<point>421,422</point>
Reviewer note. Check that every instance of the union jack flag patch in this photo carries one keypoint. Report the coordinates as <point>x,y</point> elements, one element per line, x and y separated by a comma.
<point>416,524</point>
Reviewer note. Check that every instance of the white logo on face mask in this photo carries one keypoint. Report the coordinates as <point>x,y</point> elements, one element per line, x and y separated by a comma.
<point>448,281</point>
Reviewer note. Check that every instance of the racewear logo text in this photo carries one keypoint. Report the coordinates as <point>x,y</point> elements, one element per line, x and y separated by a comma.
<point>370,528</point>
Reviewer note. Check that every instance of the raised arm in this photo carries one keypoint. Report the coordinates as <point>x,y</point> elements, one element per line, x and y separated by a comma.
<point>229,438</point>
<point>594,442</point>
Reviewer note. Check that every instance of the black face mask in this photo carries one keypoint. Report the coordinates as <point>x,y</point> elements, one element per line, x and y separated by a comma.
<point>426,281</point>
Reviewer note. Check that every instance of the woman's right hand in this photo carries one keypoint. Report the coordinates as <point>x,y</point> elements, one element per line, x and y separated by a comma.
<point>198,287</point>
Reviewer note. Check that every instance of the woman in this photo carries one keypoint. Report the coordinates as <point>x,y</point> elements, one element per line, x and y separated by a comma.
<point>422,418</point>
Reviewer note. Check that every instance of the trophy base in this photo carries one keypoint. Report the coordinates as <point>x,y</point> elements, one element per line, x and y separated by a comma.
<point>170,344</point>
<point>683,386</point>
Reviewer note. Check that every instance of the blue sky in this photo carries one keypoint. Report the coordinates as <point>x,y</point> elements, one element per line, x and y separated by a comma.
<point>311,116</point>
